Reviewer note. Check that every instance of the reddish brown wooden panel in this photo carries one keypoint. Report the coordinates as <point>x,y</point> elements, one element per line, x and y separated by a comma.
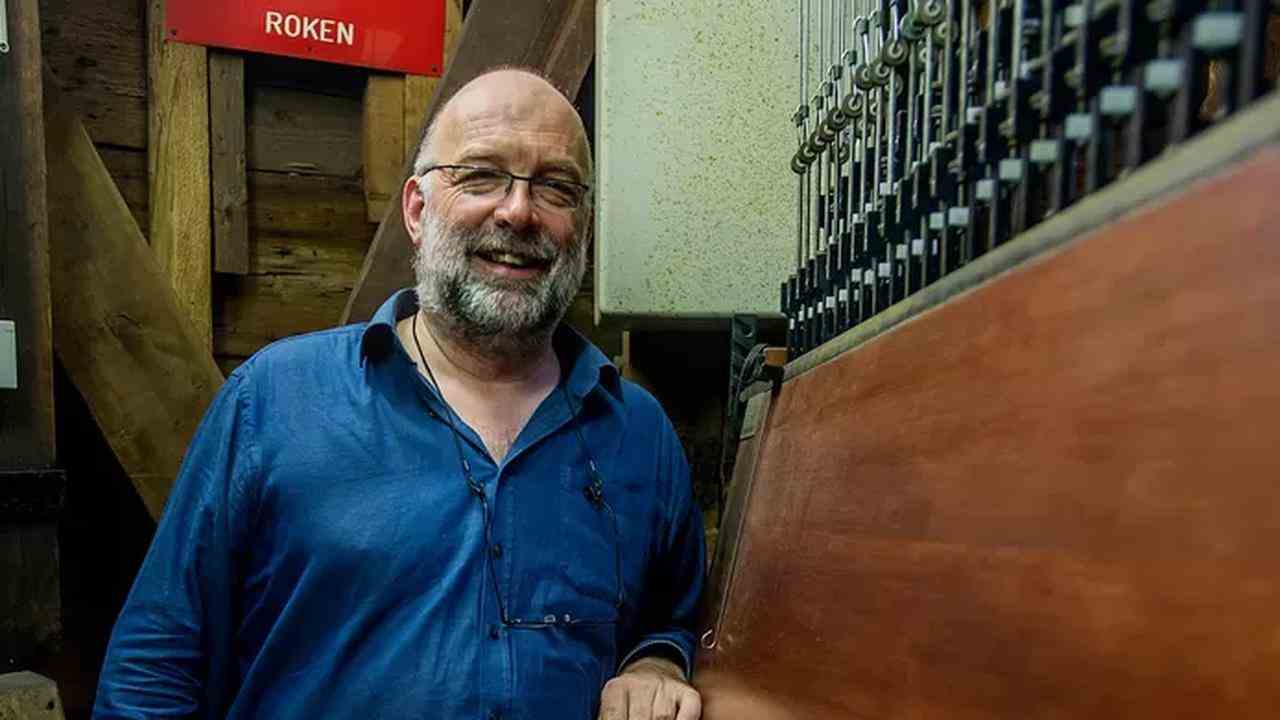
<point>1052,497</point>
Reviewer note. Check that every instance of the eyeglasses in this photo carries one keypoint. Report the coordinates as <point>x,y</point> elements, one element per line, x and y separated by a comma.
<point>554,194</point>
<point>594,494</point>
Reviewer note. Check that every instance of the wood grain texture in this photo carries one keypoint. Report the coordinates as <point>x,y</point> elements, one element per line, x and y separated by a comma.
<point>178,168</point>
<point>382,142</point>
<point>394,106</point>
<point>296,131</point>
<point>555,36</point>
<point>118,328</point>
<point>30,601</point>
<point>97,52</point>
<point>419,89</point>
<point>26,414</point>
<point>309,234</point>
<point>128,169</point>
<point>227,163</point>
<point>1051,497</point>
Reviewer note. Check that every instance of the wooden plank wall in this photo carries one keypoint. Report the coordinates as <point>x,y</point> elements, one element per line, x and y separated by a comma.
<point>307,223</point>
<point>307,228</point>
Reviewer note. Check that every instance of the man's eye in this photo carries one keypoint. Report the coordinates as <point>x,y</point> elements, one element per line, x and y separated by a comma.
<point>560,194</point>
<point>481,181</point>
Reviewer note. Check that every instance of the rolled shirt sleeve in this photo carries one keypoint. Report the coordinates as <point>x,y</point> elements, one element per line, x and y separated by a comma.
<point>668,623</point>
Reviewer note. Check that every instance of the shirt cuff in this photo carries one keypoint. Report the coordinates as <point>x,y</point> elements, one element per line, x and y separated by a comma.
<point>661,647</point>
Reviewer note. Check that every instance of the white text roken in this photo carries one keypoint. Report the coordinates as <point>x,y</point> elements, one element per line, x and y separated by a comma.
<point>308,28</point>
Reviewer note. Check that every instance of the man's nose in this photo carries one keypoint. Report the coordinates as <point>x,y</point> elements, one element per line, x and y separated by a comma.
<point>515,211</point>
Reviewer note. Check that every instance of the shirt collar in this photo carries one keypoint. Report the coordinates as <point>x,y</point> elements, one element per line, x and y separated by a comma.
<point>583,366</point>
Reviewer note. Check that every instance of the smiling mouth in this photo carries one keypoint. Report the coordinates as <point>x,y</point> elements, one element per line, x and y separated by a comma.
<point>513,260</point>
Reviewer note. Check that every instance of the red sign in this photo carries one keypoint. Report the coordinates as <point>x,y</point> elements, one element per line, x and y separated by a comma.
<point>401,35</point>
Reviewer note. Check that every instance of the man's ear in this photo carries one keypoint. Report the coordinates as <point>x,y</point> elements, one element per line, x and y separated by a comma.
<point>412,204</point>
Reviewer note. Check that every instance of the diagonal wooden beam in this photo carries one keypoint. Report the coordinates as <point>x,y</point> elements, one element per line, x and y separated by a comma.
<point>118,327</point>
<point>555,36</point>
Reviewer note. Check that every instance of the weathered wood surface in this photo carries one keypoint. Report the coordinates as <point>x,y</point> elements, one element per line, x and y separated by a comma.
<point>309,235</point>
<point>97,51</point>
<point>128,169</point>
<point>296,131</point>
<point>178,168</point>
<point>555,36</point>
<point>1051,497</point>
<point>26,414</point>
<point>394,106</point>
<point>118,328</point>
<point>419,89</point>
<point>382,142</point>
<point>230,192</point>
<point>30,601</point>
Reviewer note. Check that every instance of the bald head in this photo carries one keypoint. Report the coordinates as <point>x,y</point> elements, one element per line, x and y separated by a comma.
<point>512,115</point>
<point>499,262</point>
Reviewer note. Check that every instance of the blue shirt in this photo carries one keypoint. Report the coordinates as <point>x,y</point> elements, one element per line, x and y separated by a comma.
<point>321,555</point>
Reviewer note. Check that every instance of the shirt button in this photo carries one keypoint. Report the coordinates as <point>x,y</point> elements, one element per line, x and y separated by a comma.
<point>493,632</point>
<point>497,550</point>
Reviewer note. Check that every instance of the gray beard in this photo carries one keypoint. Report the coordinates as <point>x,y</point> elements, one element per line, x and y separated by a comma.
<point>508,318</point>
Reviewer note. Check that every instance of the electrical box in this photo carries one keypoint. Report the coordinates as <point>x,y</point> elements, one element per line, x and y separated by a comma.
<point>695,204</point>
<point>8,356</point>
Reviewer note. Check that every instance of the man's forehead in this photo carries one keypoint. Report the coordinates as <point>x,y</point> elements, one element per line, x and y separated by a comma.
<point>509,111</point>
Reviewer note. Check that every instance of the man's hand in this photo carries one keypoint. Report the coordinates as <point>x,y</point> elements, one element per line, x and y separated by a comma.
<point>650,689</point>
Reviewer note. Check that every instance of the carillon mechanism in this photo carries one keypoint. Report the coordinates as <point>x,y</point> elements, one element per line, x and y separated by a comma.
<point>931,131</point>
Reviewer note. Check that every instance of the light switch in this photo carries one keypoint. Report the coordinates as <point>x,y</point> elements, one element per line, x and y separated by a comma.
<point>8,356</point>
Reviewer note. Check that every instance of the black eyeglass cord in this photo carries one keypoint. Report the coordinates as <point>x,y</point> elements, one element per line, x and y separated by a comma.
<point>594,493</point>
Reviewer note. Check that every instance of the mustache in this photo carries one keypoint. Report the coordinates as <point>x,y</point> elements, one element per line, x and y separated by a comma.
<point>535,245</point>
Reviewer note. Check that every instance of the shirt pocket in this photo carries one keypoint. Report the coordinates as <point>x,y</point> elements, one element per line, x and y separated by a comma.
<point>590,550</point>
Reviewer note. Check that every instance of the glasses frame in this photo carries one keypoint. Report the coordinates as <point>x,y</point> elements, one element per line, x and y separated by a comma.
<point>512,178</point>
<point>594,495</point>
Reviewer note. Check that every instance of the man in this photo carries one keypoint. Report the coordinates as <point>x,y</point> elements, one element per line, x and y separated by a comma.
<point>456,510</point>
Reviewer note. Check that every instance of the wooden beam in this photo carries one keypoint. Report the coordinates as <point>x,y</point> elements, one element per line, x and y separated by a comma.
<point>555,36</point>
<point>382,142</point>
<point>178,168</point>
<point>419,89</point>
<point>393,110</point>
<point>230,185</point>
<point>30,600</point>
<point>26,414</point>
<point>124,338</point>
